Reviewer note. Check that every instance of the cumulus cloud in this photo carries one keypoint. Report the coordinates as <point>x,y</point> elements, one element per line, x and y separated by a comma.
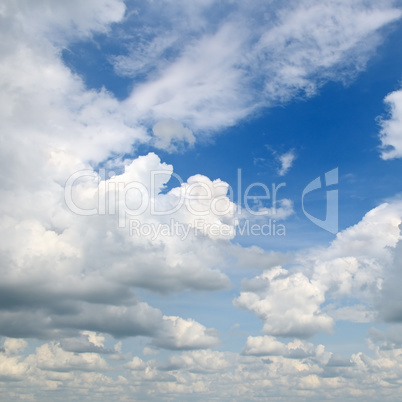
<point>266,368</point>
<point>13,346</point>
<point>11,366</point>
<point>357,264</point>
<point>269,346</point>
<point>358,259</point>
<point>54,281</point>
<point>289,305</point>
<point>200,361</point>
<point>391,127</point>
<point>178,333</point>
<point>53,357</point>
<point>53,285</point>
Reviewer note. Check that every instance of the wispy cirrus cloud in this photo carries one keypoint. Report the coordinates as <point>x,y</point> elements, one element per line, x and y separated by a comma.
<point>290,50</point>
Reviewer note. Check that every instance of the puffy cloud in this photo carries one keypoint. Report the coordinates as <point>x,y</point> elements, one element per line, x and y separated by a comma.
<point>264,346</point>
<point>391,131</point>
<point>199,361</point>
<point>177,333</point>
<point>53,357</point>
<point>269,346</point>
<point>44,104</point>
<point>55,281</point>
<point>272,368</point>
<point>11,368</point>
<point>136,364</point>
<point>69,278</point>
<point>358,264</point>
<point>288,304</point>
<point>14,345</point>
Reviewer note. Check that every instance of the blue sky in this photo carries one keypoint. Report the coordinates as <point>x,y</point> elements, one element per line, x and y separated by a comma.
<point>141,257</point>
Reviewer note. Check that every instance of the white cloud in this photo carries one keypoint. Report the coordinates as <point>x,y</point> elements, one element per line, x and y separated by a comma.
<point>288,304</point>
<point>55,280</point>
<point>295,369</point>
<point>356,262</point>
<point>52,357</point>
<point>286,160</point>
<point>204,361</point>
<point>11,367</point>
<point>269,346</point>
<point>185,93</point>
<point>170,135</point>
<point>14,345</point>
<point>177,333</point>
<point>391,131</point>
<point>291,49</point>
<point>264,346</point>
<point>71,279</point>
<point>136,364</point>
